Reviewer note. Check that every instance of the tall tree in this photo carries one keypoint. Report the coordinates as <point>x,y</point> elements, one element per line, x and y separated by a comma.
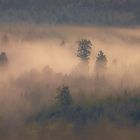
<point>101,60</point>
<point>83,52</point>
<point>84,49</point>
<point>64,99</point>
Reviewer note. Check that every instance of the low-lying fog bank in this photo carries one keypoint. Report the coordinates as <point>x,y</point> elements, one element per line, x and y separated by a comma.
<point>42,59</point>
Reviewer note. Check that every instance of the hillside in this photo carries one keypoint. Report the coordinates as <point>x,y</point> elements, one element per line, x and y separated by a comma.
<point>77,12</point>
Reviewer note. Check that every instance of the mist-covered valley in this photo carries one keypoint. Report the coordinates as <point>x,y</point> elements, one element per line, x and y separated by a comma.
<point>48,92</point>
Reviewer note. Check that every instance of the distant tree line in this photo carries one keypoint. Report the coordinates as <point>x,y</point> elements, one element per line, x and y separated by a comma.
<point>97,12</point>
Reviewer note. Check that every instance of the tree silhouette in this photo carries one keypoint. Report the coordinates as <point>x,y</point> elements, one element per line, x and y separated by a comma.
<point>83,52</point>
<point>3,58</point>
<point>64,99</point>
<point>100,69</point>
<point>101,60</point>
<point>84,49</point>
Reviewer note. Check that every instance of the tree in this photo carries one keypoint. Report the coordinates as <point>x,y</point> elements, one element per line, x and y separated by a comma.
<point>101,60</point>
<point>83,52</point>
<point>84,49</point>
<point>64,99</point>
<point>3,58</point>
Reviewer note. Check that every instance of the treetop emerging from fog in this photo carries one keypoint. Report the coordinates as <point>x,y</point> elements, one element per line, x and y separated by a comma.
<point>101,59</point>
<point>84,49</point>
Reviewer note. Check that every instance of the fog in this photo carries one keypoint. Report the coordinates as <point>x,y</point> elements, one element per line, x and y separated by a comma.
<point>42,58</point>
<point>30,49</point>
<point>34,47</point>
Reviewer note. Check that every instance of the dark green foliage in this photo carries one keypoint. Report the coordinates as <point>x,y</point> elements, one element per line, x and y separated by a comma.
<point>84,49</point>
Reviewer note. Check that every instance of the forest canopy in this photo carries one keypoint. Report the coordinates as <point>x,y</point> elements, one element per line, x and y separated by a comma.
<point>77,12</point>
